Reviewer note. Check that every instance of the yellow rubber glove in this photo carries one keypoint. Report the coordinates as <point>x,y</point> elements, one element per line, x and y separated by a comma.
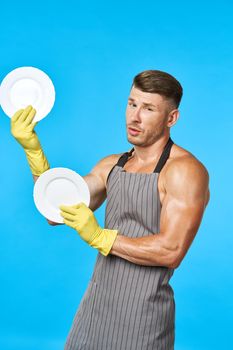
<point>83,220</point>
<point>22,128</point>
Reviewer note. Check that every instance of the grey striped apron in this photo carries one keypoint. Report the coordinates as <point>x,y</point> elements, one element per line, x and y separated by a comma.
<point>127,306</point>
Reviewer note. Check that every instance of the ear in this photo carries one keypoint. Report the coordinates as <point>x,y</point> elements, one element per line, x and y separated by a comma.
<point>173,116</point>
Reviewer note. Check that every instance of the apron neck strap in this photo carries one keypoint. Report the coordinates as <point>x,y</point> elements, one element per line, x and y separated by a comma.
<point>162,160</point>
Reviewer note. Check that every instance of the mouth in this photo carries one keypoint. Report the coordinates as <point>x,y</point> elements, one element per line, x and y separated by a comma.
<point>133,131</point>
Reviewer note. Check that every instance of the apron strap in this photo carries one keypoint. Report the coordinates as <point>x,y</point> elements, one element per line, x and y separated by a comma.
<point>162,160</point>
<point>123,159</point>
<point>164,156</point>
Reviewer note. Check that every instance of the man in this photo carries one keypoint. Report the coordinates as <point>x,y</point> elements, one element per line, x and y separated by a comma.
<point>156,196</point>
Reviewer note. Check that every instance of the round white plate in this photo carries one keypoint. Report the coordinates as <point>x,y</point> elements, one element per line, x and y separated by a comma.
<point>27,86</point>
<point>59,186</point>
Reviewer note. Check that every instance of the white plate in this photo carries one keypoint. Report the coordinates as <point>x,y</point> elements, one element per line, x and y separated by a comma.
<point>27,86</point>
<point>59,186</point>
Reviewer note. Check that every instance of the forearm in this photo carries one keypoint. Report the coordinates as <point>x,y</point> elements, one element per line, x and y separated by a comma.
<point>152,250</point>
<point>37,161</point>
<point>35,178</point>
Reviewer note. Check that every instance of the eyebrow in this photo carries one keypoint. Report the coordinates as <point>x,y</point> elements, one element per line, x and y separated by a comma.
<point>144,103</point>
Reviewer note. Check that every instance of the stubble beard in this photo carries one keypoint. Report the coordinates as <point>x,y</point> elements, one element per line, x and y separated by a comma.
<point>148,141</point>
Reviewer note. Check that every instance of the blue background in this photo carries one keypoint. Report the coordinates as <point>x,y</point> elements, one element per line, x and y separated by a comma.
<point>92,52</point>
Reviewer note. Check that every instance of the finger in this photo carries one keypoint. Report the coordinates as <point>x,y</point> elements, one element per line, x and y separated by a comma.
<point>16,115</point>
<point>30,117</point>
<point>69,223</point>
<point>77,206</point>
<point>25,113</point>
<point>68,216</point>
<point>68,209</point>
<point>33,125</point>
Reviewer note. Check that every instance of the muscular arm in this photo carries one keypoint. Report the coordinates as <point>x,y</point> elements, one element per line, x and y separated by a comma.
<point>187,194</point>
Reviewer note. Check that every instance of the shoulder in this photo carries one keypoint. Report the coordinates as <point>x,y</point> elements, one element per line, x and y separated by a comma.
<point>109,160</point>
<point>185,173</point>
<point>104,166</point>
<point>183,162</point>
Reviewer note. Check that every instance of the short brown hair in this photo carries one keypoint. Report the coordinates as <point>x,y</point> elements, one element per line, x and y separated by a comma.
<point>156,81</point>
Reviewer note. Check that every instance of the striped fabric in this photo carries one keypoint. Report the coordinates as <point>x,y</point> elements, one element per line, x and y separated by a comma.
<point>127,306</point>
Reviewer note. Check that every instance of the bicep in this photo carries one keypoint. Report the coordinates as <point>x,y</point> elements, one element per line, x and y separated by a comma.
<point>96,180</point>
<point>179,222</point>
<point>97,190</point>
<point>183,208</point>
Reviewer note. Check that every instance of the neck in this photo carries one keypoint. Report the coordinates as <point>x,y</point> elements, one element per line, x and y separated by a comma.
<point>144,155</point>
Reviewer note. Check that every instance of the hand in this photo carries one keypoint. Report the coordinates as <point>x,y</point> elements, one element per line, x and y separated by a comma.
<point>22,128</point>
<point>83,220</point>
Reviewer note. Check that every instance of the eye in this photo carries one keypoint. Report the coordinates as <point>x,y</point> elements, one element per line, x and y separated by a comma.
<point>132,104</point>
<point>148,108</point>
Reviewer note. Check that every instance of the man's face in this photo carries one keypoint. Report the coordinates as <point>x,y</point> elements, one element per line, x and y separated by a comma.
<point>148,113</point>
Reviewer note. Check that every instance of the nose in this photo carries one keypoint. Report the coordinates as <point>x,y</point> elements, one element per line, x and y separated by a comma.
<point>135,115</point>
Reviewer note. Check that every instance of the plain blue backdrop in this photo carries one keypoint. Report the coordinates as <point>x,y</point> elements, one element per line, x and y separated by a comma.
<point>92,51</point>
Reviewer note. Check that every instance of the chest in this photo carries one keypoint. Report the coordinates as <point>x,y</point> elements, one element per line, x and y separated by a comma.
<point>133,204</point>
<point>131,167</point>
